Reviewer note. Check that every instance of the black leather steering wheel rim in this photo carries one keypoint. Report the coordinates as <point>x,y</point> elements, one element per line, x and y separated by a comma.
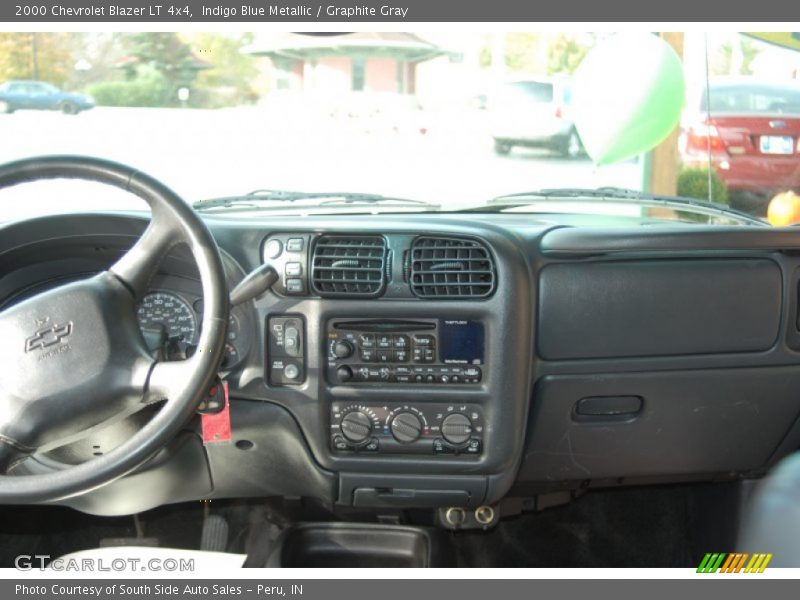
<point>182,384</point>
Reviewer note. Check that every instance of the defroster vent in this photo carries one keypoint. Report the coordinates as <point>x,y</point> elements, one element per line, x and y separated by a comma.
<point>454,268</point>
<point>349,266</point>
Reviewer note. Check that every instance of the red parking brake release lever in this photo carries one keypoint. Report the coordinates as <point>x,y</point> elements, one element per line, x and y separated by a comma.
<point>215,414</point>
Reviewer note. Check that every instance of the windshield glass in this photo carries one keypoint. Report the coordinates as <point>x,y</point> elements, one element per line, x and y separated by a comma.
<point>451,121</point>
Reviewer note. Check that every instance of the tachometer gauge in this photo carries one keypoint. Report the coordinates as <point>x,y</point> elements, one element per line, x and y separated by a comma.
<point>164,310</point>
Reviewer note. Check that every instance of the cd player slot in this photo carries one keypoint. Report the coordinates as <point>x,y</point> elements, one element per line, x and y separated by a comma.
<point>384,325</point>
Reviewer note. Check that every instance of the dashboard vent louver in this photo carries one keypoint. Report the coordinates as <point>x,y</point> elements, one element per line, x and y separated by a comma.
<point>349,266</point>
<point>455,268</point>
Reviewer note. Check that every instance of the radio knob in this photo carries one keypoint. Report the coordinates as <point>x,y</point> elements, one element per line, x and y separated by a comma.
<point>356,426</point>
<point>344,373</point>
<point>343,349</point>
<point>456,428</point>
<point>406,427</point>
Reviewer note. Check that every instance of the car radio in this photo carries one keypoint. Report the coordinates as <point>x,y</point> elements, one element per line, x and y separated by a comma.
<point>418,351</point>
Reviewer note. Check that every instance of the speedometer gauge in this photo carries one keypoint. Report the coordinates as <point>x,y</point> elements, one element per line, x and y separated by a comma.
<point>168,312</point>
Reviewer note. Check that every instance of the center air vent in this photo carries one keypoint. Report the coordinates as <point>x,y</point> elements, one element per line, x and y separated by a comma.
<point>454,268</point>
<point>351,266</point>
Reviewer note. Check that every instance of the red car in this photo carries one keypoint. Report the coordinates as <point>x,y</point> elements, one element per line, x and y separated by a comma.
<point>753,135</point>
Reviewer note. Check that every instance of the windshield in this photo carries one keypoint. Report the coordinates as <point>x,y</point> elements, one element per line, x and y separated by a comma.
<point>451,121</point>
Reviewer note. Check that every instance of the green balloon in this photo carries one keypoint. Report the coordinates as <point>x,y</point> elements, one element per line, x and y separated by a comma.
<point>627,96</point>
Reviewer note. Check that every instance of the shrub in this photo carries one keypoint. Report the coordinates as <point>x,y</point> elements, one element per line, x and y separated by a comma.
<point>693,183</point>
<point>149,88</point>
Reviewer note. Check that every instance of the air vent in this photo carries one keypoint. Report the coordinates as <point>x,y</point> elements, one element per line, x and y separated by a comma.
<point>454,268</point>
<point>349,266</point>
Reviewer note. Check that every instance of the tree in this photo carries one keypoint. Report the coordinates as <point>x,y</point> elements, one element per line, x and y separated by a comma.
<point>565,53</point>
<point>735,57</point>
<point>232,76</point>
<point>541,53</point>
<point>165,53</point>
<point>524,52</point>
<point>99,54</point>
<point>44,56</point>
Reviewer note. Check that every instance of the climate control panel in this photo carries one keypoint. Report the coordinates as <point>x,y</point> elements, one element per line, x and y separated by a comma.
<point>421,351</point>
<point>433,429</point>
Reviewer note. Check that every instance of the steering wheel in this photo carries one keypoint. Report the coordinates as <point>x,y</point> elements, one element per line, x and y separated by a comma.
<point>73,358</point>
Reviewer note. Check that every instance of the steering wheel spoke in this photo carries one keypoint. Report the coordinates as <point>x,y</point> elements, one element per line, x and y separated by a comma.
<point>137,266</point>
<point>167,379</point>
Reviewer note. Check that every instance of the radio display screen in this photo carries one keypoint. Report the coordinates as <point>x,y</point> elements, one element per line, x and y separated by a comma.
<point>461,342</point>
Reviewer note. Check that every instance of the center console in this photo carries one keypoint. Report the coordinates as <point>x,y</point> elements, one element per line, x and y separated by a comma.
<point>404,361</point>
<point>413,353</point>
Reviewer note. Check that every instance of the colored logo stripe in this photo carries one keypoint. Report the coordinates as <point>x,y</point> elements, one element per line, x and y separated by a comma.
<point>711,562</point>
<point>726,566</point>
<point>758,563</point>
<point>734,563</point>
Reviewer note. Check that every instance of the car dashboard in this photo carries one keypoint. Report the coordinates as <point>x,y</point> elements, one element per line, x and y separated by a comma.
<point>453,360</point>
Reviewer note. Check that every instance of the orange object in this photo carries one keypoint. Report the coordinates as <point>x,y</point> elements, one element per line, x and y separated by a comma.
<point>784,209</point>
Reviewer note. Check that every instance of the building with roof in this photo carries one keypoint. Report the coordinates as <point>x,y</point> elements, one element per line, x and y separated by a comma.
<point>352,62</point>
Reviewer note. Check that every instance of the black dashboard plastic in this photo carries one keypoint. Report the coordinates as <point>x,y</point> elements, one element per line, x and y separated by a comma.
<point>689,334</point>
<point>658,308</point>
<point>577,242</point>
<point>691,422</point>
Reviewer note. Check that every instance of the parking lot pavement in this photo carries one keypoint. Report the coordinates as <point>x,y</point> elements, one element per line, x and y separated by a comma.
<point>203,153</point>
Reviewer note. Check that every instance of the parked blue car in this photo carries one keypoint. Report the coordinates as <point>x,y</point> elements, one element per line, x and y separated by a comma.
<point>38,95</point>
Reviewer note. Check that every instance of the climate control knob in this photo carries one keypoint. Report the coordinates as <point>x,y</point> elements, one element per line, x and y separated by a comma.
<point>406,427</point>
<point>356,426</point>
<point>456,428</point>
<point>343,349</point>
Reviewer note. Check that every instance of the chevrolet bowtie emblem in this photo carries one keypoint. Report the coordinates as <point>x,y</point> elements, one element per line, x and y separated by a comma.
<point>48,337</point>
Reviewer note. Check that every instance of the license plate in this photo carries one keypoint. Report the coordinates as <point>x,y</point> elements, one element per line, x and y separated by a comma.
<point>777,144</point>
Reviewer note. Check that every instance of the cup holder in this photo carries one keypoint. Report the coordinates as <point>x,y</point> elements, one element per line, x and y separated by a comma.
<point>358,545</point>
